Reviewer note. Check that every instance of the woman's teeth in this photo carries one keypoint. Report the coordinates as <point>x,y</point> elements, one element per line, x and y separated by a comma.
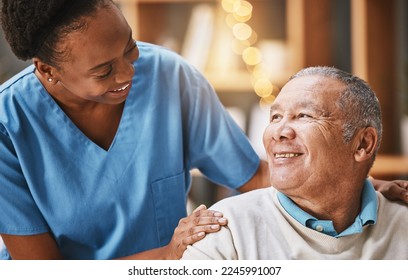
<point>121,89</point>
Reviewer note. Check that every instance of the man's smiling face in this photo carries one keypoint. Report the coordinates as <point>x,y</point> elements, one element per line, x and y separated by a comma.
<point>304,140</point>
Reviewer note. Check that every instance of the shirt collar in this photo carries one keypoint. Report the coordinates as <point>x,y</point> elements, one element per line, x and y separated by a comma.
<point>367,215</point>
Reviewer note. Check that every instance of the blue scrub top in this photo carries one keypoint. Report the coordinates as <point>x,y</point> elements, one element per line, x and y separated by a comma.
<point>102,204</point>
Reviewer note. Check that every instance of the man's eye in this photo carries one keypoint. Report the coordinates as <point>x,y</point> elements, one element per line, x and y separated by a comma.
<point>303,115</point>
<point>275,117</point>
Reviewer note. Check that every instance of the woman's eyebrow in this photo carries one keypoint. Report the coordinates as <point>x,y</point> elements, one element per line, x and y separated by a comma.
<point>104,64</point>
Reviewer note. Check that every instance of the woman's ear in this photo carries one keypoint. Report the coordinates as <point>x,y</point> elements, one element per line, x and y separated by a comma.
<point>46,71</point>
<point>367,142</point>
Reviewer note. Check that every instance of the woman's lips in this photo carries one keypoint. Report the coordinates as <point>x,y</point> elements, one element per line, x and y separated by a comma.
<point>121,89</point>
<point>120,92</point>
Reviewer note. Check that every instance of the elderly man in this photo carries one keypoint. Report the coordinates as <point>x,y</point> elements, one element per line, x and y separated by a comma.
<point>323,136</point>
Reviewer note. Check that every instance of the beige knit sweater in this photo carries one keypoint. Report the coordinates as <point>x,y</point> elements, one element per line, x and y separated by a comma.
<point>259,228</point>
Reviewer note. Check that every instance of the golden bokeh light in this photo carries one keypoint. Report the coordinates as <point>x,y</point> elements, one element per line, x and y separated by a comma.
<point>228,5</point>
<point>266,102</point>
<point>242,31</point>
<point>241,18</point>
<point>239,13</point>
<point>230,20</point>
<point>252,56</point>
<point>242,8</point>
<point>263,87</point>
<point>242,11</point>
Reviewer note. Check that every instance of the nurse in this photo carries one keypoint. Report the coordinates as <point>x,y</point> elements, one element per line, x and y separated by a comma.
<point>98,137</point>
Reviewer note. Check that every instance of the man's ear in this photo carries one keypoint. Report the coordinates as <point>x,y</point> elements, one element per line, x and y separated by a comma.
<point>367,139</point>
<point>46,71</point>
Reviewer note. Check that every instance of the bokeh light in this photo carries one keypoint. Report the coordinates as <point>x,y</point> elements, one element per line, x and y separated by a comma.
<point>266,102</point>
<point>263,87</point>
<point>230,20</point>
<point>242,31</point>
<point>239,13</point>
<point>228,5</point>
<point>242,11</point>
<point>252,56</point>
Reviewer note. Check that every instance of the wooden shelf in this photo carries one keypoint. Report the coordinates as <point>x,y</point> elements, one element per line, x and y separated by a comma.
<point>170,1</point>
<point>390,166</point>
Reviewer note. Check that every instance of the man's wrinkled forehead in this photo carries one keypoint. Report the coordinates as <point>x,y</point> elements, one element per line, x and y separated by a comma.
<point>315,92</point>
<point>310,104</point>
<point>314,83</point>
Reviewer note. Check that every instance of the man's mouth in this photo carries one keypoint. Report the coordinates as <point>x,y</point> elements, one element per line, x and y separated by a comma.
<point>287,155</point>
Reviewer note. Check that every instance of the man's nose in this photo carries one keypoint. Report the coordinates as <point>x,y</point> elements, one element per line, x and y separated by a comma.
<point>282,130</point>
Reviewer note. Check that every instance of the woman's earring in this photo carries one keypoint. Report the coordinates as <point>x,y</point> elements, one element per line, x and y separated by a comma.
<point>50,80</point>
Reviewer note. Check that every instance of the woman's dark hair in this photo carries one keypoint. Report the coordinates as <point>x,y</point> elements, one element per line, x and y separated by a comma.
<point>33,28</point>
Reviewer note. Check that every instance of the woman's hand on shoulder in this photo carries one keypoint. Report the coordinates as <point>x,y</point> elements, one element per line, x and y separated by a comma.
<point>396,190</point>
<point>194,228</point>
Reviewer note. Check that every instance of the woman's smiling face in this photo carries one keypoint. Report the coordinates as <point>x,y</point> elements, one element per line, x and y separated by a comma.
<point>99,61</point>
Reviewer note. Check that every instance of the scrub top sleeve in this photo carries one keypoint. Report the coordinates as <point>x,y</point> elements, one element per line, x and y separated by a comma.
<point>19,214</point>
<point>217,146</point>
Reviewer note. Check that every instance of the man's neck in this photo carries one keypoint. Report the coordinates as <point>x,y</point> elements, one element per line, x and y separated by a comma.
<point>341,204</point>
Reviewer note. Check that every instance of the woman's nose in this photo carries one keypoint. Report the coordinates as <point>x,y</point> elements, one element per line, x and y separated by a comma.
<point>125,71</point>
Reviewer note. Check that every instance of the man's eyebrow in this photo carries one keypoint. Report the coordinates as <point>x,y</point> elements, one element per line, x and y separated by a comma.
<point>273,107</point>
<point>303,104</point>
<point>104,64</point>
<point>312,105</point>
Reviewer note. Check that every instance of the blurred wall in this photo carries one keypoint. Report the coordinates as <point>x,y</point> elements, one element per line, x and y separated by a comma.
<point>9,64</point>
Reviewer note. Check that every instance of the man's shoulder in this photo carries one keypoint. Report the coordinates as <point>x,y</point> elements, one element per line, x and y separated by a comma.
<point>390,205</point>
<point>392,211</point>
<point>245,200</point>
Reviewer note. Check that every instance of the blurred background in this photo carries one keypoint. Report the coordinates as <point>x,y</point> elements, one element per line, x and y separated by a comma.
<point>248,49</point>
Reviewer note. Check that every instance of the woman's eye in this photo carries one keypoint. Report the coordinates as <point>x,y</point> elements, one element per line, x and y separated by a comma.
<point>132,48</point>
<point>105,75</point>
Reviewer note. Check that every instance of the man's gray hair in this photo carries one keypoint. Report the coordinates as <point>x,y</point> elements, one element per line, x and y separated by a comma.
<point>358,102</point>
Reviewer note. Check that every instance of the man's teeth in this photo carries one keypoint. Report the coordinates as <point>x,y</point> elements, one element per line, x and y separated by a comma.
<point>121,89</point>
<point>288,155</point>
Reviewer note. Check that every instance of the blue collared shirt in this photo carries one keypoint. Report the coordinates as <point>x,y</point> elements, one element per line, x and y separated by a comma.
<point>368,214</point>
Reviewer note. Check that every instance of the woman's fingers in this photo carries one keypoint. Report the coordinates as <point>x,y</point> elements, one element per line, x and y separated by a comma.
<point>203,211</point>
<point>203,217</point>
<point>400,190</point>
<point>393,190</point>
<point>199,208</point>
<point>194,228</point>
